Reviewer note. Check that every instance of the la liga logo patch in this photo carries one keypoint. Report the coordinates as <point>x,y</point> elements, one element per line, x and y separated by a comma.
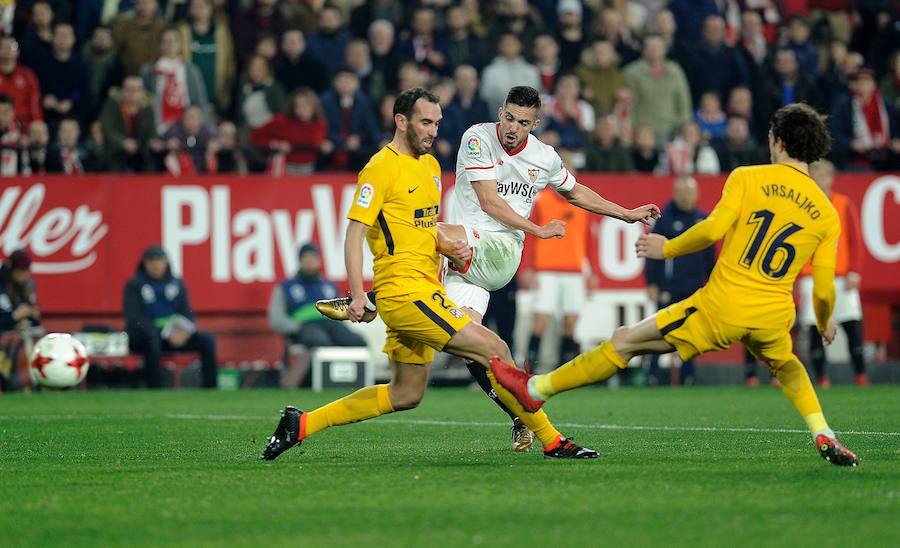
<point>366,192</point>
<point>473,147</point>
<point>456,313</point>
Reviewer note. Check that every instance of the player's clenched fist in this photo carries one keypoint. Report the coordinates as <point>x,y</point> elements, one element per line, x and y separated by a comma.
<point>357,308</point>
<point>458,251</point>
<point>644,214</point>
<point>553,229</point>
<point>650,246</point>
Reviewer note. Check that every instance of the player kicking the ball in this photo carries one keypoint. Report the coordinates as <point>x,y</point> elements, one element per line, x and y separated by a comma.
<point>500,170</point>
<point>395,209</point>
<point>774,218</point>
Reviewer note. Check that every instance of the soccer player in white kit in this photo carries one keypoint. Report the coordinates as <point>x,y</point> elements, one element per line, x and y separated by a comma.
<point>500,169</point>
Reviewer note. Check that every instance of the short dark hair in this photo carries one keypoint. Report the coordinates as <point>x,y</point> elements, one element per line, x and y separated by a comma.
<point>524,96</point>
<point>802,130</point>
<point>6,100</point>
<point>406,101</point>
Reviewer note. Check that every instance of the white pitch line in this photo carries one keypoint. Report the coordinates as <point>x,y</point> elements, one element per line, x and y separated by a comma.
<point>631,427</point>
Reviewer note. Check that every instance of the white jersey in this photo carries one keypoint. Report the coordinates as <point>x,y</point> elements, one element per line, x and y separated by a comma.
<point>520,174</point>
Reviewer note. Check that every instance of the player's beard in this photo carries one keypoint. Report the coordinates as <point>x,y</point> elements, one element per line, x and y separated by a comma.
<point>416,142</point>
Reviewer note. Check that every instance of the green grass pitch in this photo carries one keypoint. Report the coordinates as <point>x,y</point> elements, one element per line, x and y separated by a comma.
<point>689,467</point>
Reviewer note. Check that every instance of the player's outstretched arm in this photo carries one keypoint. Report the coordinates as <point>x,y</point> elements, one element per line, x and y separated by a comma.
<point>700,236</point>
<point>585,198</point>
<point>353,261</point>
<point>823,301</point>
<point>495,206</point>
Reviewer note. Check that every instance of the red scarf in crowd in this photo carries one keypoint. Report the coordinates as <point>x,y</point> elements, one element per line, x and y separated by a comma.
<point>871,121</point>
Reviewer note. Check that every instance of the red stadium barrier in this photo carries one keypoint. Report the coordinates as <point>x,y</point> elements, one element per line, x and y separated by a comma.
<point>233,237</point>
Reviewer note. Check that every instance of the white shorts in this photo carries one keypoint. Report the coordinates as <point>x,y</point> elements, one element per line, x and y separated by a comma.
<point>847,305</point>
<point>495,260</point>
<point>559,292</point>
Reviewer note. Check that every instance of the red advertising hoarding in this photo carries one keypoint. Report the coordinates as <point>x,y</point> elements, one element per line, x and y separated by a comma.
<point>233,237</point>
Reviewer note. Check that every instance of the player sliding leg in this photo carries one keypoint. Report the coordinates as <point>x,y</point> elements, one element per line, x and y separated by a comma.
<point>771,231</point>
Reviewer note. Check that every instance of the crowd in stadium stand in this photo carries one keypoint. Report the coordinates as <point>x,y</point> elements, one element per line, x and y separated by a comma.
<point>296,86</point>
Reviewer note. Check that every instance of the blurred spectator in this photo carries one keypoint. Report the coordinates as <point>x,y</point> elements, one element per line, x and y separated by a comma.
<point>740,104</point>
<point>206,43</point>
<point>128,127</point>
<point>384,65</point>
<point>34,153</point>
<point>63,77</point>
<point>574,116</point>
<point>690,16</point>
<point>676,50</point>
<point>137,34</point>
<point>556,272</point>
<point>362,17</point>
<point>710,116</point>
<point>890,82</point>
<point>159,318</point>
<point>834,83</point>
<point>386,119</point>
<point>848,310</point>
<point>798,42</point>
<point>864,128</point>
<point>466,109</point>
<point>754,48</point>
<point>296,138</point>
<point>18,296</point>
<point>601,77</point>
<point>518,18</point>
<point>188,143</point>
<point>570,32</point>
<point>261,96</point>
<point>423,44</point>
<point>789,85</point>
<point>737,147</point>
<point>175,85</point>
<point>95,149</point>
<point>717,66</point>
<point>292,309</point>
<point>464,47</point>
<point>38,37</point>
<point>606,152</point>
<point>19,312</point>
<point>19,83</point>
<point>673,280</point>
<point>329,42</point>
<point>645,153</point>
<point>614,30</point>
<point>11,138</point>
<point>690,153</point>
<point>303,15</point>
<point>359,60</point>
<point>409,76</point>
<point>66,155</point>
<point>546,59</point>
<point>296,67</point>
<point>267,47</point>
<point>506,70</point>
<point>104,69</point>
<point>249,25</point>
<point>225,153</point>
<point>444,149</point>
<point>662,98</point>
<point>352,125</point>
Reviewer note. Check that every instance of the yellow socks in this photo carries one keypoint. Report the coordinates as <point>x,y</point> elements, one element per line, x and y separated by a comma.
<point>536,422</point>
<point>796,386</point>
<point>591,367</point>
<point>363,404</point>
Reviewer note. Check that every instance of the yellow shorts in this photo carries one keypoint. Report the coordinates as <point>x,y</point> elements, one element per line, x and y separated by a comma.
<point>418,324</point>
<point>692,331</point>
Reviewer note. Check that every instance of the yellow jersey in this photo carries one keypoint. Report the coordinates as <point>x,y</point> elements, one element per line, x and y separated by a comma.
<point>774,218</point>
<point>398,197</point>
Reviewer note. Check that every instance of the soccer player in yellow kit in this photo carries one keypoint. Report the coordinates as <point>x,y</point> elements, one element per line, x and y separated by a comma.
<point>773,218</point>
<point>395,209</point>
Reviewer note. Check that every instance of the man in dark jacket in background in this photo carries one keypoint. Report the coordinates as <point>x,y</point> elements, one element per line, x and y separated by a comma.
<point>159,318</point>
<point>674,280</point>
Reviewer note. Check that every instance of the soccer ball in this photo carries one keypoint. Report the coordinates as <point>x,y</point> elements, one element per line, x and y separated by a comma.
<point>59,360</point>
